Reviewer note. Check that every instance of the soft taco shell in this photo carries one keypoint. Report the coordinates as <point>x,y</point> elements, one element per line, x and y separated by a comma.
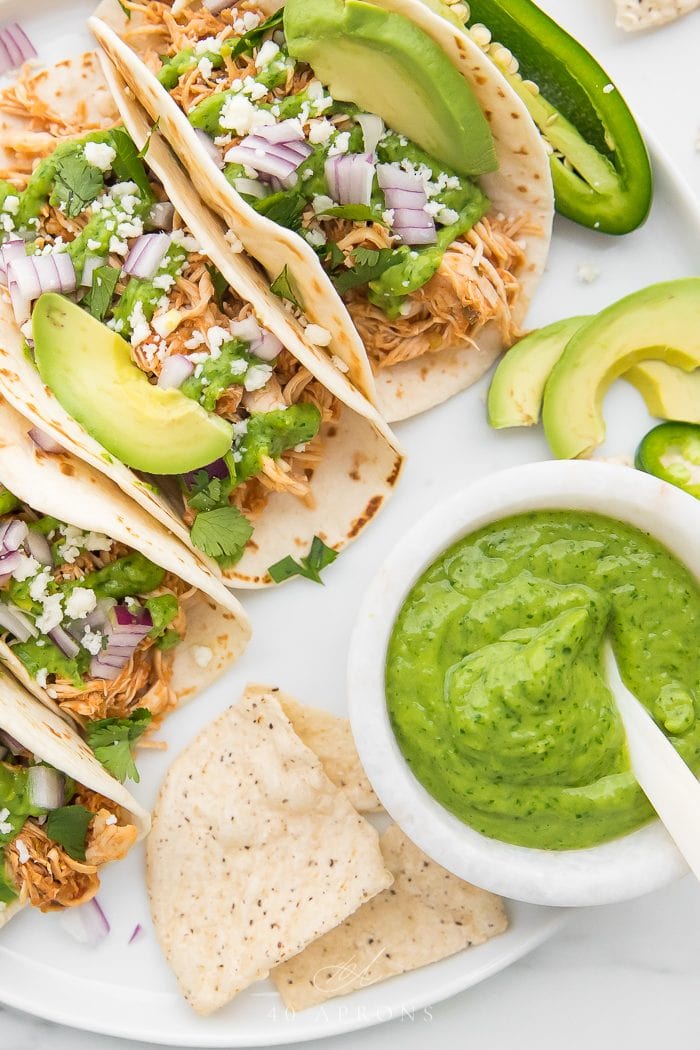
<point>521,184</point>
<point>52,740</point>
<point>64,487</point>
<point>361,461</point>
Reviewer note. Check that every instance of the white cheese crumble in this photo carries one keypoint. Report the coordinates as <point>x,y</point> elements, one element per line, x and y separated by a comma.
<point>205,67</point>
<point>216,337</point>
<point>41,677</point>
<point>257,376</point>
<point>140,327</point>
<point>317,335</point>
<point>163,281</point>
<point>315,238</point>
<point>321,203</point>
<point>5,825</point>
<point>100,154</point>
<point>320,131</point>
<point>203,655</point>
<point>27,567</point>
<point>240,115</point>
<point>210,44</point>
<point>80,602</point>
<point>52,613</point>
<point>587,273</point>
<point>111,820</point>
<point>22,851</point>
<point>92,641</point>
<point>340,144</point>
<point>265,55</point>
<point>11,204</point>
<point>37,588</point>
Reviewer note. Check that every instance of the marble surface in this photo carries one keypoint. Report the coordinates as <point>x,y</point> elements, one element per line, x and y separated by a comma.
<point>617,976</point>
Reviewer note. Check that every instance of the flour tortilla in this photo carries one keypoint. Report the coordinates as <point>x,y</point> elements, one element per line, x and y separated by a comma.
<point>427,915</point>
<point>254,853</point>
<point>52,740</point>
<point>522,183</point>
<point>362,459</point>
<point>330,738</point>
<point>68,489</point>
<point>648,14</point>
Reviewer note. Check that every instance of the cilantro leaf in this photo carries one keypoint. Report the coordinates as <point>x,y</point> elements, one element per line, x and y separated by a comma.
<point>68,826</point>
<point>369,263</point>
<point>284,208</point>
<point>125,9</point>
<point>355,212</point>
<point>144,149</point>
<point>250,40</point>
<point>76,185</point>
<point>99,299</point>
<point>331,254</point>
<point>222,534</point>
<point>220,284</point>
<point>310,567</point>
<point>282,286</point>
<point>208,493</point>
<point>127,165</point>
<point>111,738</point>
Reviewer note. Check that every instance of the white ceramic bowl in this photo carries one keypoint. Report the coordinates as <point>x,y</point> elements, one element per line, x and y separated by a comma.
<point>627,867</point>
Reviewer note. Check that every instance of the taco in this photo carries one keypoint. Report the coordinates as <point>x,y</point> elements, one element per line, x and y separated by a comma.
<point>62,817</point>
<point>179,359</point>
<point>103,616</point>
<point>370,144</point>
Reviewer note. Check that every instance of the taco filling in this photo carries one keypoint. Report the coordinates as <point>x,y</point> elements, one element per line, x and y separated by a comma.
<point>55,835</point>
<point>94,624</point>
<point>414,248</point>
<point>81,216</point>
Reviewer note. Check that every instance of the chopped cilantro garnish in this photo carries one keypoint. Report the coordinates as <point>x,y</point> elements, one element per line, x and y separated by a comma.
<point>127,165</point>
<point>356,213</point>
<point>250,40</point>
<point>369,263</point>
<point>68,826</point>
<point>76,185</point>
<point>208,493</point>
<point>99,299</point>
<point>220,284</point>
<point>282,286</point>
<point>284,208</point>
<point>310,567</point>
<point>144,149</point>
<point>221,533</point>
<point>111,740</point>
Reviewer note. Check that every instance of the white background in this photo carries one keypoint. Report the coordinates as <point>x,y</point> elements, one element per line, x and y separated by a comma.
<point>619,977</point>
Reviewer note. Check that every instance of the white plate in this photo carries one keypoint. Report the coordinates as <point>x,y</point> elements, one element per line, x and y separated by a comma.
<point>300,643</point>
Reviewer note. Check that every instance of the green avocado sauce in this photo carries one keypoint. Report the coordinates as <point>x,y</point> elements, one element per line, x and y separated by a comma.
<point>14,799</point>
<point>495,685</point>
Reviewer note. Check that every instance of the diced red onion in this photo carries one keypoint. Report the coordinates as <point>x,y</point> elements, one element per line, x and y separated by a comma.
<point>274,151</point>
<point>29,277</point>
<point>16,623</point>
<point>161,216</point>
<point>92,263</point>
<point>86,924</point>
<point>44,441</point>
<point>15,47</point>
<point>217,469</point>
<point>267,347</point>
<point>210,147</point>
<point>122,616</point>
<point>350,177</point>
<point>125,631</point>
<point>12,249</point>
<point>146,255</point>
<point>13,533</point>
<point>404,193</point>
<point>39,547</point>
<point>46,788</point>
<point>65,643</point>
<point>138,930</point>
<point>176,369</point>
<point>251,187</point>
<point>10,743</point>
<point>372,130</point>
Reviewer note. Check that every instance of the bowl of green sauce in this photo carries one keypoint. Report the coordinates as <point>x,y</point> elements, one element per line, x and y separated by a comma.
<point>477,690</point>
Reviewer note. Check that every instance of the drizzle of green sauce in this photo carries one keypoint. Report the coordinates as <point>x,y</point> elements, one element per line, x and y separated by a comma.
<point>495,684</point>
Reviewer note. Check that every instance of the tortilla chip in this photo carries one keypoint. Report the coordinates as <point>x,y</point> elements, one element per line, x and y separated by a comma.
<point>254,853</point>
<point>646,14</point>
<point>330,738</point>
<point>427,915</point>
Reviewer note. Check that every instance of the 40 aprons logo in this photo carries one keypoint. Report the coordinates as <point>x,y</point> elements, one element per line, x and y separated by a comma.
<point>339,979</point>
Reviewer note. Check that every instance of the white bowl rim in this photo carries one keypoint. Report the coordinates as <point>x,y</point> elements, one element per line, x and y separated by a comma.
<point>635,864</point>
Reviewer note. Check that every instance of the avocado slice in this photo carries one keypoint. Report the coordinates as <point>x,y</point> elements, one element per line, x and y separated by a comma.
<point>669,393</point>
<point>89,369</point>
<point>517,387</point>
<point>660,323</point>
<point>386,65</point>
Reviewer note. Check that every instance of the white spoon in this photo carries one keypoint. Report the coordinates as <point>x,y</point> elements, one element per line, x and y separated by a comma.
<point>663,776</point>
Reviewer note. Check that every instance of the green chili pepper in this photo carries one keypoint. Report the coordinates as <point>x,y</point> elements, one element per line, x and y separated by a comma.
<point>600,165</point>
<point>671,452</point>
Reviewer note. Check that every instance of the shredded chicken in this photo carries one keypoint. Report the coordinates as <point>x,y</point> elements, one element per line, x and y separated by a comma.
<point>49,879</point>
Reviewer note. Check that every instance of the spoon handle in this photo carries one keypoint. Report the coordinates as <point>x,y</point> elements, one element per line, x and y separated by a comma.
<point>666,780</point>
